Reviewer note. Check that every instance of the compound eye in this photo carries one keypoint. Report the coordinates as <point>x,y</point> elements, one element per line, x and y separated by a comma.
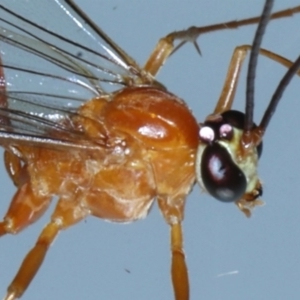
<point>220,175</point>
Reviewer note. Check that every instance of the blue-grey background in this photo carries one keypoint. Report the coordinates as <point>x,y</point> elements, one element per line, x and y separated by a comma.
<point>229,256</point>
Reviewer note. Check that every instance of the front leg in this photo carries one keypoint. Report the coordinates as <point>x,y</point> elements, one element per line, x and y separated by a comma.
<point>166,46</point>
<point>231,81</point>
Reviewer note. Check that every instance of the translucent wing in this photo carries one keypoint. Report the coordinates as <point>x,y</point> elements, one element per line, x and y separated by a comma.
<point>53,59</point>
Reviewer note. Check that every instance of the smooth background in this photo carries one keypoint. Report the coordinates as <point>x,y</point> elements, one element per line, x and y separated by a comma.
<point>229,256</point>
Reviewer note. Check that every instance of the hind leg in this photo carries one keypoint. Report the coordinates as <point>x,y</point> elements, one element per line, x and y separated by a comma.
<point>67,213</point>
<point>25,208</point>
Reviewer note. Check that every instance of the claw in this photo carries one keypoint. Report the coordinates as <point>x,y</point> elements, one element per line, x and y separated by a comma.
<point>10,296</point>
<point>2,229</point>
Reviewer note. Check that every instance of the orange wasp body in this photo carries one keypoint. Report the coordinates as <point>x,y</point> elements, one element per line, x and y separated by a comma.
<point>111,158</point>
<point>145,135</point>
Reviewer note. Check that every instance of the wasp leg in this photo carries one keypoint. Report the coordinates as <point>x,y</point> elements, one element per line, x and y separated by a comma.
<point>228,92</point>
<point>25,208</point>
<point>172,209</point>
<point>178,268</point>
<point>15,168</point>
<point>166,45</point>
<point>67,213</point>
<point>32,262</point>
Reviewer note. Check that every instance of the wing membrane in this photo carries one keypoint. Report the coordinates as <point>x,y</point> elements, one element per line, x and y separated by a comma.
<point>53,59</point>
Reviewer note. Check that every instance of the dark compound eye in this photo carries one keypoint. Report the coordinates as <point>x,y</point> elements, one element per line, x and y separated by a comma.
<point>220,175</point>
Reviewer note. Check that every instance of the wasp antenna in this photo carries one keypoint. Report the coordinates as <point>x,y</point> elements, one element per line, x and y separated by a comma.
<point>278,93</point>
<point>253,62</point>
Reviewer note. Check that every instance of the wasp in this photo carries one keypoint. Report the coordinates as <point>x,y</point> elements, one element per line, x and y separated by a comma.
<point>113,155</point>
